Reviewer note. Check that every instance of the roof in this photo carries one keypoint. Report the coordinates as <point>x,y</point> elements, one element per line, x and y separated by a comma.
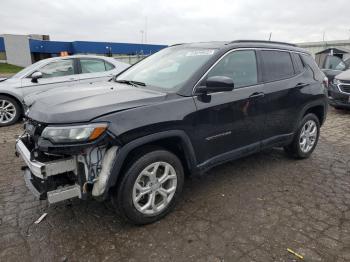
<point>245,44</point>
<point>110,59</point>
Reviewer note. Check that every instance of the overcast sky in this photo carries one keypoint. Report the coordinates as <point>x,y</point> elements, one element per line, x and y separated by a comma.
<point>177,21</point>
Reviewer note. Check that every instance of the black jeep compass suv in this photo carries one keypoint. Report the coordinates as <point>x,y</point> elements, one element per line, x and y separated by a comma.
<point>180,111</point>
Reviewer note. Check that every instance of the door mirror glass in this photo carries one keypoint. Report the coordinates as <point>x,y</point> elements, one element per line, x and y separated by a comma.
<point>217,84</point>
<point>35,76</point>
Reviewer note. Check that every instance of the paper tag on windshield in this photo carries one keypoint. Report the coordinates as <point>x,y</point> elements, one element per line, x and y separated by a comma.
<point>200,52</point>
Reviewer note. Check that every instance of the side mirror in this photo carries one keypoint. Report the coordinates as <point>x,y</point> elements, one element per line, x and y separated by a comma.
<point>35,76</point>
<point>217,84</point>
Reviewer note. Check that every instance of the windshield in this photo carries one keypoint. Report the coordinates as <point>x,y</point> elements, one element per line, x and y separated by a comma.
<point>168,69</point>
<point>27,70</point>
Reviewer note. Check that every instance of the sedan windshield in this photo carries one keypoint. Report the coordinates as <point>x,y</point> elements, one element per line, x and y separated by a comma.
<point>168,69</point>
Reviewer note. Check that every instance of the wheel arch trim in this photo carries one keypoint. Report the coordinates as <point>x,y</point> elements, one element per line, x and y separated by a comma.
<point>310,105</point>
<point>123,152</point>
<point>13,96</point>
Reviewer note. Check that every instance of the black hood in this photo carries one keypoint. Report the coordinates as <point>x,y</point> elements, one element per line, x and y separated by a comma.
<point>82,104</point>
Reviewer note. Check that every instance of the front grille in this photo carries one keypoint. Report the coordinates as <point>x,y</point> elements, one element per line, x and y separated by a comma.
<point>345,88</point>
<point>346,81</point>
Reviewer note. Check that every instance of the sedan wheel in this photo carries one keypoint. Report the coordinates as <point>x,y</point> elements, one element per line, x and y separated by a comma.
<point>8,111</point>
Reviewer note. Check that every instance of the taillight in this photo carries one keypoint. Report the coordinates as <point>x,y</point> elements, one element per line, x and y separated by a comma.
<point>325,82</point>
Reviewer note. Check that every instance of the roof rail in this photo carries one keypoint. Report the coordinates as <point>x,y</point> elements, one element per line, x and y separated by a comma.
<point>261,41</point>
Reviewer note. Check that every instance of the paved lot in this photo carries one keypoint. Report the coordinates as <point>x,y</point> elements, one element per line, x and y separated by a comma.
<point>248,210</point>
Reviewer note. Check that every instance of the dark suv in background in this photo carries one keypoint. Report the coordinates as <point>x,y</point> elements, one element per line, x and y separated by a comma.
<point>339,91</point>
<point>181,111</point>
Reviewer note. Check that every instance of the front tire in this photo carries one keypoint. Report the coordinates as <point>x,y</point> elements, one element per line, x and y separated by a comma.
<point>305,139</point>
<point>10,111</point>
<point>150,187</point>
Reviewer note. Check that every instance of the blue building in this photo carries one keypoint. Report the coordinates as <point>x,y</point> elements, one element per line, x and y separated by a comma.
<point>23,50</point>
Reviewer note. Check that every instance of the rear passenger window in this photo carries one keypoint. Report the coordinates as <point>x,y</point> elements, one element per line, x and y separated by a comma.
<point>277,65</point>
<point>238,65</point>
<point>92,65</point>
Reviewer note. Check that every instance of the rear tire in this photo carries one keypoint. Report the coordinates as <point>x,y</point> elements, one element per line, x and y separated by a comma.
<point>150,187</point>
<point>10,111</point>
<point>305,139</point>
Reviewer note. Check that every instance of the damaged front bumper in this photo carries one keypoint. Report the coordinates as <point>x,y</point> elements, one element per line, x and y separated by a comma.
<point>61,178</point>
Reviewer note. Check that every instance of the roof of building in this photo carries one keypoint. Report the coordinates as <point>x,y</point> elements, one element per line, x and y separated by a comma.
<point>336,50</point>
<point>324,43</point>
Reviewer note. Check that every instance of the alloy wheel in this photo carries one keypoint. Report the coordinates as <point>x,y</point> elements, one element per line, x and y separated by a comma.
<point>308,136</point>
<point>7,111</point>
<point>154,188</point>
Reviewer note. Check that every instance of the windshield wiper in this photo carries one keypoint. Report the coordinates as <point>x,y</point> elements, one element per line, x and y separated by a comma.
<point>131,82</point>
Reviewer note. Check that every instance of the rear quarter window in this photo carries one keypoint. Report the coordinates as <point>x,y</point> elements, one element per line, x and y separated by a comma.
<point>277,65</point>
<point>311,64</point>
<point>109,66</point>
<point>298,63</point>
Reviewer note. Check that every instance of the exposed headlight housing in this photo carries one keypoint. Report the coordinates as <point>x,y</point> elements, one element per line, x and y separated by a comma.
<point>74,134</point>
<point>336,82</point>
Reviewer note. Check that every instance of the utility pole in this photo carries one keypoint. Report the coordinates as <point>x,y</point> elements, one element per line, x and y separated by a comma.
<point>142,32</point>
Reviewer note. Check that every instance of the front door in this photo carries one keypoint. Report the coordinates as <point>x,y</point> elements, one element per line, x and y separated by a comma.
<point>60,73</point>
<point>230,124</point>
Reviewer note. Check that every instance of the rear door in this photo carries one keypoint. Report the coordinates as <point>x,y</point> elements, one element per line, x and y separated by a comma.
<point>284,88</point>
<point>229,124</point>
<point>59,73</point>
<point>94,70</point>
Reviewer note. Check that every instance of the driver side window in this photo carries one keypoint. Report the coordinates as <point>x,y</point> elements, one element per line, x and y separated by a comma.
<point>241,66</point>
<point>58,68</point>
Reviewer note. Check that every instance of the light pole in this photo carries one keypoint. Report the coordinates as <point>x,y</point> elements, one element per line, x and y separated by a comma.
<point>142,32</point>
<point>109,51</point>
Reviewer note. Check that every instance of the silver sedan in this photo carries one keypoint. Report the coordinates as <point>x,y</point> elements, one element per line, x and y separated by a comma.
<point>52,73</point>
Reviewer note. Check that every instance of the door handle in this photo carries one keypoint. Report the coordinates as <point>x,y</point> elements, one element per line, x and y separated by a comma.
<point>257,95</point>
<point>300,85</point>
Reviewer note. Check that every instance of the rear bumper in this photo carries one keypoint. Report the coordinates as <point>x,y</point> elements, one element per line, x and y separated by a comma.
<point>39,176</point>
